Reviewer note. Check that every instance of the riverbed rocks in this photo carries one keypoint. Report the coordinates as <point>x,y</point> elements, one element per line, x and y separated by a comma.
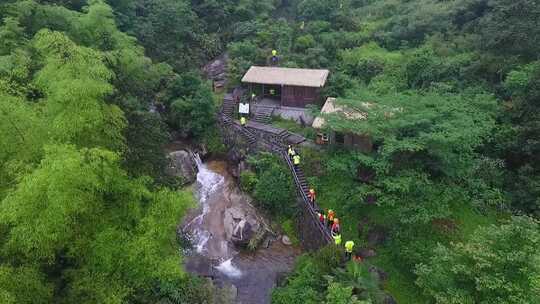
<point>182,165</point>
<point>242,225</point>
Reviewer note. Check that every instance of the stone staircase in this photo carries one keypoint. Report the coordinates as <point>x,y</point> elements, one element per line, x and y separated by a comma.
<point>226,118</point>
<point>228,108</point>
<point>263,115</point>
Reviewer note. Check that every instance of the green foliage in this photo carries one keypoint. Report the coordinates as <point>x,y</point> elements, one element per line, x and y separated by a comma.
<point>11,35</point>
<point>23,285</point>
<point>193,114</point>
<point>170,31</point>
<point>518,138</point>
<point>320,276</point>
<point>498,264</point>
<point>146,136</point>
<point>368,61</point>
<point>75,83</point>
<point>274,190</point>
<point>79,206</point>
<point>339,294</point>
<point>248,181</point>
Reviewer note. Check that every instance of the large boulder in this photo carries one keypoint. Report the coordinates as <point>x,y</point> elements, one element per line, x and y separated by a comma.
<point>241,225</point>
<point>182,165</point>
<point>242,233</point>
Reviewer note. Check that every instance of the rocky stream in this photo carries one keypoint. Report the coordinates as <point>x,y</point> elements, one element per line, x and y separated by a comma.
<point>222,227</point>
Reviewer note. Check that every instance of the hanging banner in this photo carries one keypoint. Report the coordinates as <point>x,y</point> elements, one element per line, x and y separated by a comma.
<point>243,108</point>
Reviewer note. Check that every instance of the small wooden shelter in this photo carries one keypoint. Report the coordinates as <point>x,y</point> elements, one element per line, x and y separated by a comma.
<point>325,135</point>
<point>292,87</point>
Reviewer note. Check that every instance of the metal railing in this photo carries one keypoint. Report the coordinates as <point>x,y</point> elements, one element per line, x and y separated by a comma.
<point>280,150</point>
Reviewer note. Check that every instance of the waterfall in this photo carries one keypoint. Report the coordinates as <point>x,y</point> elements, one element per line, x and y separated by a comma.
<point>207,183</point>
<point>228,269</point>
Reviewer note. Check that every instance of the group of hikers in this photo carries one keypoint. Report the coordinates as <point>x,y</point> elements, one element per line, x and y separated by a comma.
<point>329,219</point>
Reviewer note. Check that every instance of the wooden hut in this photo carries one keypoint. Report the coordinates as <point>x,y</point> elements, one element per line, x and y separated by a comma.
<point>291,87</point>
<point>325,135</point>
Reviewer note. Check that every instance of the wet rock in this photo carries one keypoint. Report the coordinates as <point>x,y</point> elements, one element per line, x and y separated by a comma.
<point>235,157</point>
<point>241,225</point>
<point>216,70</point>
<point>202,150</point>
<point>366,253</point>
<point>182,165</point>
<point>376,236</point>
<point>378,273</point>
<point>242,233</point>
<point>286,241</point>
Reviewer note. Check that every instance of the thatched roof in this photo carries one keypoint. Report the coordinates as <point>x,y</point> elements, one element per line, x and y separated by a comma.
<point>331,107</point>
<point>286,76</point>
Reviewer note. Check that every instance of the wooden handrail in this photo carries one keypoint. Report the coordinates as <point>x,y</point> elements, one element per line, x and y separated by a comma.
<point>280,151</point>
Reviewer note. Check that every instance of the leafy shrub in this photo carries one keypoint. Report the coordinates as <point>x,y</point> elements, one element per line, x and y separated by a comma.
<point>248,181</point>
<point>275,188</point>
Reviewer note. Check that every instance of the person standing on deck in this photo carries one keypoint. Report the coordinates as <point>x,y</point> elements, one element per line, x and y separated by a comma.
<point>274,59</point>
<point>243,121</point>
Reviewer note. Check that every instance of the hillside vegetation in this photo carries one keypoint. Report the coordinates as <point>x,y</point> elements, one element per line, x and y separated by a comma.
<point>452,93</point>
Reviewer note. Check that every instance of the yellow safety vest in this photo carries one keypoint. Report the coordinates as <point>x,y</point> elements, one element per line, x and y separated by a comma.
<point>337,239</point>
<point>349,246</point>
<point>242,121</point>
<point>291,152</point>
<point>296,159</point>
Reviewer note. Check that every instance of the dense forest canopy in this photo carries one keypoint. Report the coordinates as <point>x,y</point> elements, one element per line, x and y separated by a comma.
<point>90,90</point>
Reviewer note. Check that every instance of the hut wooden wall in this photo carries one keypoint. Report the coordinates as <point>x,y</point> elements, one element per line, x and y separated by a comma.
<point>293,96</point>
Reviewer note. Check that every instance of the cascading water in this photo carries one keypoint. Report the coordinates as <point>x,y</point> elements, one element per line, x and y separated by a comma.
<point>214,255</point>
<point>208,183</point>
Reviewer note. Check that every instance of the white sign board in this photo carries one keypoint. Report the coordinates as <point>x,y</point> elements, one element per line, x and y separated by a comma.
<point>243,108</point>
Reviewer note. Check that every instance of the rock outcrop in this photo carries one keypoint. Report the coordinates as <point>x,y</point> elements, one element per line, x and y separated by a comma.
<point>243,225</point>
<point>216,71</point>
<point>182,165</point>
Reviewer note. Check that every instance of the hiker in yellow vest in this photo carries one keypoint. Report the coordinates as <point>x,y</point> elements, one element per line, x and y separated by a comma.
<point>349,245</point>
<point>337,239</point>
<point>274,59</point>
<point>243,121</point>
<point>291,152</point>
<point>296,160</point>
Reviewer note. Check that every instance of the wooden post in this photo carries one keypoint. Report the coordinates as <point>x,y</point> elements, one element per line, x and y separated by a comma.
<point>281,97</point>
